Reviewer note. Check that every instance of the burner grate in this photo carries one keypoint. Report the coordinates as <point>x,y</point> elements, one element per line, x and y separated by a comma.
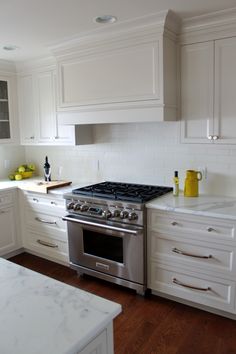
<point>123,191</point>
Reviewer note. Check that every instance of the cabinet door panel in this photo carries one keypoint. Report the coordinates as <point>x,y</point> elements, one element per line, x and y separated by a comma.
<point>225,88</point>
<point>8,240</point>
<point>197,92</point>
<point>47,107</point>
<point>26,109</point>
<point>128,74</point>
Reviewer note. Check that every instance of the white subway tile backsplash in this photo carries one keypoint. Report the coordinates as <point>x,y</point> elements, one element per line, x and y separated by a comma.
<point>142,153</point>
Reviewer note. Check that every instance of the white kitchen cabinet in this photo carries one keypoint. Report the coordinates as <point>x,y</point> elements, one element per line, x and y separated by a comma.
<point>38,117</point>
<point>44,232</point>
<point>27,108</point>
<point>225,88</point>
<point>126,77</point>
<point>9,238</point>
<point>208,105</point>
<point>192,258</point>
<point>102,344</point>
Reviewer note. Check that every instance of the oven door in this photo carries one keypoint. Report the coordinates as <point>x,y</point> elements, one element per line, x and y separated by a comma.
<point>107,248</point>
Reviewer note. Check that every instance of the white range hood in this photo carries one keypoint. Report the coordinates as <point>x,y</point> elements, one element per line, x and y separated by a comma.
<point>128,74</point>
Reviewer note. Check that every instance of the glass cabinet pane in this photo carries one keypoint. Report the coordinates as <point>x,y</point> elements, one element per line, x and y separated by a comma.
<point>4,111</point>
<point>4,130</point>
<point>3,90</point>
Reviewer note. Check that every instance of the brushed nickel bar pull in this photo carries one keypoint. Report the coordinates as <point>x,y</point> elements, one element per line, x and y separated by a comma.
<point>176,250</point>
<point>47,244</point>
<point>176,281</point>
<point>45,221</point>
<point>210,229</point>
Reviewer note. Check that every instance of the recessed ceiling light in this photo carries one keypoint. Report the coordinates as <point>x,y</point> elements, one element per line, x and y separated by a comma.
<point>105,19</point>
<point>10,47</point>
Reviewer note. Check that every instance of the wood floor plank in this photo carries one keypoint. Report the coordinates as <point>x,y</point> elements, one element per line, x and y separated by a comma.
<point>150,325</point>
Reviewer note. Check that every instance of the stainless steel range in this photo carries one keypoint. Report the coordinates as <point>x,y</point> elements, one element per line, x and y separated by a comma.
<point>107,231</point>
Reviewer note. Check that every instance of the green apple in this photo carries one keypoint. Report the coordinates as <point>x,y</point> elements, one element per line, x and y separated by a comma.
<point>21,169</point>
<point>11,177</point>
<point>18,177</point>
<point>31,167</point>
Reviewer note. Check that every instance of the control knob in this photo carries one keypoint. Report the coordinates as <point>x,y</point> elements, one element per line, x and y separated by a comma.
<point>124,214</point>
<point>77,206</point>
<point>84,207</point>
<point>70,205</point>
<point>133,215</point>
<point>106,214</point>
<point>115,213</point>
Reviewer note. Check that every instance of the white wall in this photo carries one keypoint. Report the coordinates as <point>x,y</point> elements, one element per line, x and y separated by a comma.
<point>141,153</point>
<point>10,158</point>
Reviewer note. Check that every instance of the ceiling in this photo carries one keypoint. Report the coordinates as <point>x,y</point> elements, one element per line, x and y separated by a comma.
<point>34,25</point>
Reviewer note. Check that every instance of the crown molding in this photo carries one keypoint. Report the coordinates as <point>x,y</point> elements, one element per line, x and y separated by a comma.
<point>35,64</point>
<point>210,26</point>
<point>159,23</point>
<point>7,67</point>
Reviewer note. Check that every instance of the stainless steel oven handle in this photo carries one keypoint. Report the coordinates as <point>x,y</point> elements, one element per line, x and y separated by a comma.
<point>103,226</point>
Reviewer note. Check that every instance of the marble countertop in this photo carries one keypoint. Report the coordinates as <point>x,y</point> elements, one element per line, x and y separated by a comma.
<point>40,315</point>
<point>8,185</point>
<point>205,205</point>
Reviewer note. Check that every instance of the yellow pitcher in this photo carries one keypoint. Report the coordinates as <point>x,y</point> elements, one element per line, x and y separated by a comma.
<point>191,183</point>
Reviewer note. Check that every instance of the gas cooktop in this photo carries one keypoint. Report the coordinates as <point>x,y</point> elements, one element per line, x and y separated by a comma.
<point>138,193</point>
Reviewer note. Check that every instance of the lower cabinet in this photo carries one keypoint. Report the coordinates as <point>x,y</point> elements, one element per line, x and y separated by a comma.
<point>9,236</point>
<point>102,344</point>
<point>192,258</point>
<point>44,232</point>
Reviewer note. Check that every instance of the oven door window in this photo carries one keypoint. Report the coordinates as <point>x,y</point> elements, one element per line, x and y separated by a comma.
<point>103,246</point>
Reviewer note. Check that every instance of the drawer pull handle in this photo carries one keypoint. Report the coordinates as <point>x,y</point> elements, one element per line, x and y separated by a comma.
<point>174,223</point>
<point>45,221</point>
<point>47,244</point>
<point>3,211</point>
<point>176,281</point>
<point>35,200</point>
<point>176,250</point>
<point>210,229</point>
<point>53,203</point>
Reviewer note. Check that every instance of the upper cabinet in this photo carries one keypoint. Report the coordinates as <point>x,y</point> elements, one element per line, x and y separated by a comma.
<point>197,75</point>
<point>127,76</point>
<point>208,86</point>
<point>8,104</point>
<point>37,108</point>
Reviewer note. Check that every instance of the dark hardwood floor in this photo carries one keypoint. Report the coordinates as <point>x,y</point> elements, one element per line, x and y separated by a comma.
<point>150,325</point>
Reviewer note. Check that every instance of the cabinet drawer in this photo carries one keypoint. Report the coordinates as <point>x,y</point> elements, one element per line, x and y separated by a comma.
<point>35,200</point>
<point>5,199</point>
<point>205,290</point>
<point>47,246</point>
<point>201,256</point>
<point>210,229</point>
<point>45,222</point>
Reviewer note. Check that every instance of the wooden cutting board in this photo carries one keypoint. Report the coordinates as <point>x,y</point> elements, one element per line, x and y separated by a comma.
<point>44,187</point>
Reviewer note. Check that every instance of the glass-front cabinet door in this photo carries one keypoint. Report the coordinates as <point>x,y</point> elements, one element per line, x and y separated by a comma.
<point>5,132</point>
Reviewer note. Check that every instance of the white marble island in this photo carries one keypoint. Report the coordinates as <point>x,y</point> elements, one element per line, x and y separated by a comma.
<point>40,315</point>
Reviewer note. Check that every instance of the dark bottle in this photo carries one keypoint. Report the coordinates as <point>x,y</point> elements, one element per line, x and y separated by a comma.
<point>47,170</point>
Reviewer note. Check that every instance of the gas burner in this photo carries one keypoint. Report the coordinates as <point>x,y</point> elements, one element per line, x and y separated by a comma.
<point>136,193</point>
